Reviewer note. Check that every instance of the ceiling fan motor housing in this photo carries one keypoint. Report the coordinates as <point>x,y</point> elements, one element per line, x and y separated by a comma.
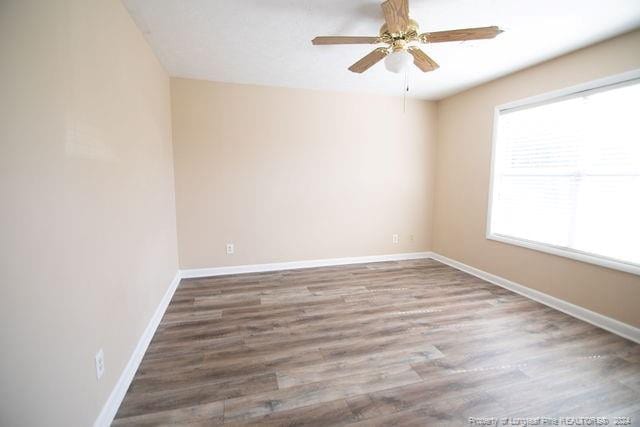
<point>401,39</point>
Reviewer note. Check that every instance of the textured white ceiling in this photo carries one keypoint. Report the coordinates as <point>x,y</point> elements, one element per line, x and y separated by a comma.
<point>268,42</point>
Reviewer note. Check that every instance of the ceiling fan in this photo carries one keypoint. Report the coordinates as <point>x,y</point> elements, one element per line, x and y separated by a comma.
<point>401,34</point>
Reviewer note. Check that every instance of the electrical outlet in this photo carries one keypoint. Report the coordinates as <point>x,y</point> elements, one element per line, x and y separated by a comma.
<point>411,237</point>
<point>230,249</point>
<point>99,363</point>
<point>396,239</point>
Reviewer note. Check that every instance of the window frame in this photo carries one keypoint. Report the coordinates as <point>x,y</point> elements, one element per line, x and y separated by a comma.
<point>594,86</point>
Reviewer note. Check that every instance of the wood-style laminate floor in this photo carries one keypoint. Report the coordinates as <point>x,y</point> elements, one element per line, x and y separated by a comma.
<point>394,343</point>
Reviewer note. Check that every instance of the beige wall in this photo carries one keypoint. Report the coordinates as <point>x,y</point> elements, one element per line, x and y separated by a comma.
<point>463,160</point>
<point>87,224</point>
<point>291,174</point>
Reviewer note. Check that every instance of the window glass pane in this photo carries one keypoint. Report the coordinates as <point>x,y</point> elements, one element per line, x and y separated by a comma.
<point>567,173</point>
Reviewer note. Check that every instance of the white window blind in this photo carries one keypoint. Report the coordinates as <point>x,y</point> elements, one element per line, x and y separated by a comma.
<point>566,175</point>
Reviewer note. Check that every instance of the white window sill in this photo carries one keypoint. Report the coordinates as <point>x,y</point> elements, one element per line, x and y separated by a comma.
<point>568,253</point>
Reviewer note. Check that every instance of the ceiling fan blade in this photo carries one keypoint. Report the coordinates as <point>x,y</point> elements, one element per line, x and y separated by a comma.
<point>461,35</point>
<point>345,40</point>
<point>368,61</point>
<point>422,60</point>
<point>396,14</point>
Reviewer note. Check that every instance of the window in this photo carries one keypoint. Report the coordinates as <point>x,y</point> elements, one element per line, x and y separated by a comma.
<point>566,174</point>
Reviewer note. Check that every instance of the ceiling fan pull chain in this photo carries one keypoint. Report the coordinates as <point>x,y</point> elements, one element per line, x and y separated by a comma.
<point>405,91</point>
<point>406,81</point>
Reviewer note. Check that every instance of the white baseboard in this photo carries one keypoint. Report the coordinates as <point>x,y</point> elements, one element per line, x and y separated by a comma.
<point>292,265</point>
<point>110,408</point>
<point>615,326</point>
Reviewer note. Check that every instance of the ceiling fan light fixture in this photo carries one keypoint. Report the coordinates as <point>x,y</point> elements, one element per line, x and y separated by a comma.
<point>398,61</point>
